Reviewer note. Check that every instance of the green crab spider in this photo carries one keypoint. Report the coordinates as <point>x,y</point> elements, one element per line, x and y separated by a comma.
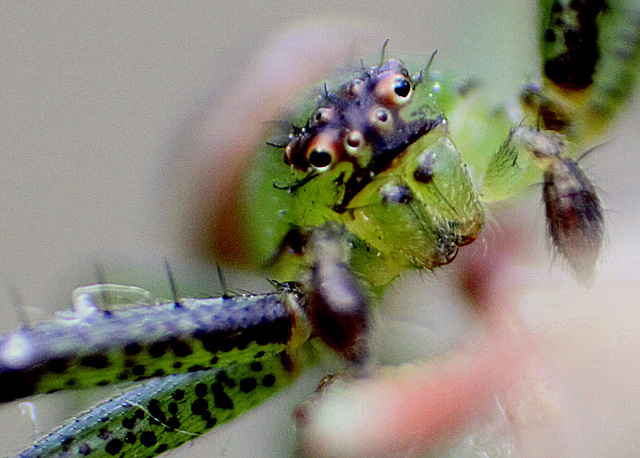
<point>427,122</point>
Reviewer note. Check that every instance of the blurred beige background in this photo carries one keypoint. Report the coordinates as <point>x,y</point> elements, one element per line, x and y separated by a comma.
<point>94,96</point>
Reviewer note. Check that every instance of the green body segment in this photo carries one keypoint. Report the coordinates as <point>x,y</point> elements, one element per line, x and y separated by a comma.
<point>140,342</point>
<point>164,413</point>
<point>388,238</point>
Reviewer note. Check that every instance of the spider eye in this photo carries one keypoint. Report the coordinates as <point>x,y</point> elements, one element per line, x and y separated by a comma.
<point>356,87</point>
<point>381,120</point>
<point>402,88</point>
<point>323,149</point>
<point>353,141</point>
<point>320,158</point>
<point>321,117</point>
<point>394,90</point>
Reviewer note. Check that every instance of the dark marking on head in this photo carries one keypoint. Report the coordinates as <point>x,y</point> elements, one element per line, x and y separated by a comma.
<point>396,194</point>
<point>424,173</point>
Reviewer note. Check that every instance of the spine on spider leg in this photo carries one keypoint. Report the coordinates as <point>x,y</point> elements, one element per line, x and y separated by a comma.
<point>590,51</point>
<point>91,347</point>
<point>164,413</point>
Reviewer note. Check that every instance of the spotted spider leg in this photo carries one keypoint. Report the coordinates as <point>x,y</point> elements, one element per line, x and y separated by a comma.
<point>208,360</point>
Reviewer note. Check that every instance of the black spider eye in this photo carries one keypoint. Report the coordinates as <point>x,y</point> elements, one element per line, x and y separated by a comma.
<point>393,90</point>
<point>402,88</point>
<point>321,117</point>
<point>320,158</point>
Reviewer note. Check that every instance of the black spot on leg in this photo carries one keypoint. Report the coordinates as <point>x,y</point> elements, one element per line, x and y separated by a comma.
<point>268,380</point>
<point>58,365</point>
<point>130,438</point>
<point>286,361</point>
<point>549,36</point>
<point>132,349</point>
<point>211,423</point>
<point>222,400</point>
<point>157,349</point>
<point>173,423</point>
<point>256,366</point>
<point>200,407</point>
<point>247,385</point>
<point>123,375</point>
<point>148,439</point>
<point>66,442</point>
<point>178,395</point>
<point>180,348</point>
<point>113,447</point>
<point>224,378</point>
<point>201,390</point>
<point>172,408</point>
<point>577,29</point>
<point>195,368</point>
<point>95,361</point>
<point>84,450</point>
<point>138,370</point>
<point>129,423</point>
<point>155,410</point>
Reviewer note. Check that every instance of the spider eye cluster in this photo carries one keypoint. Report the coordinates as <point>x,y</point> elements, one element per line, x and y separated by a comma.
<point>362,119</point>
